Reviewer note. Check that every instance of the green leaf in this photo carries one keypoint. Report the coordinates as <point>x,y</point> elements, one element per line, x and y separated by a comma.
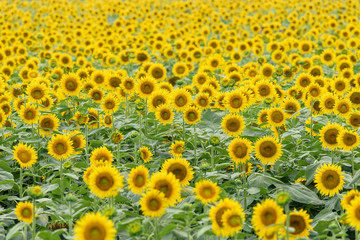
<point>302,194</point>
<point>15,230</point>
<point>166,230</point>
<point>321,220</point>
<point>310,172</point>
<point>6,180</point>
<point>5,166</point>
<point>203,230</point>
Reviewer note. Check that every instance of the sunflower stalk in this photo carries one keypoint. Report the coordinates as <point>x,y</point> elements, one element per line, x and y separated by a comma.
<point>34,220</point>
<point>212,158</point>
<point>71,219</point>
<point>244,183</point>
<point>61,181</point>
<point>183,126</point>
<point>311,119</point>
<point>140,130</point>
<point>196,160</point>
<point>87,145</point>
<point>332,156</point>
<point>287,211</point>
<point>21,183</point>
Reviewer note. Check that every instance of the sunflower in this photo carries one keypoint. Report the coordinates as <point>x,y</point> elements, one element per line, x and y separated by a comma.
<point>105,181</point>
<point>177,148</point>
<point>354,119</point>
<point>164,114</point>
<point>200,79</point>
<point>96,94</point>
<point>348,140</point>
<point>71,84</point>
<point>343,107</point>
<point>101,155</point>
<point>290,106</point>
<point>24,211</point>
<point>94,226</point>
<point>167,184</point>
<point>232,220</point>
<point>267,70</point>
<point>304,80</point>
<point>5,107</point>
<point>235,101</point>
<point>239,150</point>
<point>300,221</point>
<point>113,81</point>
<point>349,197</point>
<point>220,101</point>
<point>77,140</point>
<point>267,213</point>
<point>207,191</point>
<point>60,147</point>
<point>157,98</point>
<point>98,77</point>
<point>25,155</point>
<point>138,179</point>
<point>314,91</point>
<point>352,212</point>
<point>180,168</point>
<point>180,99</point>
<point>268,150</point>
<point>233,124</point>
<point>81,118</point>
<point>329,179</point>
<point>340,86</point>
<point>328,57</point>
<point>145,154</point>
<point>157,71</point>
<point>146,86</point>
<point>217,212</point>
<point>29,114</point>
<point>203,101</point>
<point>46,104</point>
<point>180,70</point>
<point>262,119</point>
<point>153,203</point>
<point>192,115</point>
<point>36,91</point>
<point>265,89</point>
<point>110,103</point>
<point>93,117</point>
<point>354,97</point>
<point>47,124</point>
<point>327,103</point>
<point>128,85</point>
<point>276,117</point>
<point>329,135</point>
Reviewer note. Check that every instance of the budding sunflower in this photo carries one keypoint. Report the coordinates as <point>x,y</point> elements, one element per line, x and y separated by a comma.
<point>134,228</point>
<point>116,137</point>
<point>283,198</point>
<point>215,140</point>
<point>70,198</point>
<point>140,106</point>
<point>109,211</point>
<point>35,192</point>
<point>67,164</point>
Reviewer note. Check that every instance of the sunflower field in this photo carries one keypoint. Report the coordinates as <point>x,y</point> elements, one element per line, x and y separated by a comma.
<point>179,119</point>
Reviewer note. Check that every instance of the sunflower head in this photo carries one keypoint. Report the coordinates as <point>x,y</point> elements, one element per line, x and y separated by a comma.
<point>180,168</point>
<point>24,212</point>
<point>25,155</point>
<point>153,203</point>
<point>105,181</point>
<point>101,155</point>
<point>207,191</point>
<point>233,124</point>
<point>192,115</point>
<point>168,184</point>
<point>268,150</point>
<point>177,148</point>
<point>138,179</point>
<point>329,179</point>
<point>94,226</point>
<point>60,147</point>
<point>239,150</point>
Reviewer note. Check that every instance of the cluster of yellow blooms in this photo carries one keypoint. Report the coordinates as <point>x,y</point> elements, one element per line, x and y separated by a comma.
<point>67,67</point>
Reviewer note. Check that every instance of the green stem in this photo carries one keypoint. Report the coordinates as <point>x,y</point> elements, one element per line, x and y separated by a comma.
<point>311,119</point>
<point>196,160</point>
<point>140,129</point>
<point>21,182</point>
<point>61,181</point>
<point>87,145</point>
<point>118,153</point>
<point>156,228</point>
<point>183,125</point>
<point>25,231</point>
<point>71,218</point>
<point>34,221</point>
<point>126,106</point>
<point>353,165</point>
<point>287,211</point>
<point>145,117</point>
<point>244,184</point>
<point>212,158</point>
<point>332,156</point>
<point>205,212</point>
<point>356,235</point>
